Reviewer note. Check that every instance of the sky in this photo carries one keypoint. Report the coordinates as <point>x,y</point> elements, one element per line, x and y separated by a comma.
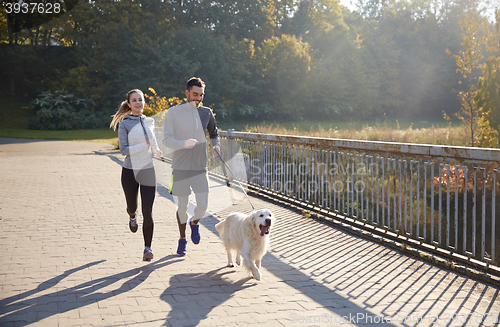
<point>489,5</point>
<point>347,3</point>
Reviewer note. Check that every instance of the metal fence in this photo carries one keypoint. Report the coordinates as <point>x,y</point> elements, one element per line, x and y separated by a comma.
<point>441,196</point>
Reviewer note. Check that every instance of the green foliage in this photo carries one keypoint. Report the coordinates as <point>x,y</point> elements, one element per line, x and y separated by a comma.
<point>262,60</point>
<point>488,89</point>
<point>335,110</point>
<point>157,106</point>
<point>27,71</point>
<point>62,111</point>
<point>467,61</point>
<point>487,98</point>
<point>281,67</point>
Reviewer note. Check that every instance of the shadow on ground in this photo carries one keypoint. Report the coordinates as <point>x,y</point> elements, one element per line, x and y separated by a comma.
<point>40,303</point>
<point>193,296</point>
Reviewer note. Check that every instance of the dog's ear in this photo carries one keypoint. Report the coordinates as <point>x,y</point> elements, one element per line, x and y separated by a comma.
<point>253,216</point>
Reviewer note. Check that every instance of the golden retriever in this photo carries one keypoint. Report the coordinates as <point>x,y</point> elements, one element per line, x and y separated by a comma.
<point>248,236</point>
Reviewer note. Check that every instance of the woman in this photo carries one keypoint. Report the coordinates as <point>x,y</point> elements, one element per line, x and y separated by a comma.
<point>137,143</point>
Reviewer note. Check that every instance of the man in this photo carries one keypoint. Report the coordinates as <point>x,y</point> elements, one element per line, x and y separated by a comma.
<point>184,133</point>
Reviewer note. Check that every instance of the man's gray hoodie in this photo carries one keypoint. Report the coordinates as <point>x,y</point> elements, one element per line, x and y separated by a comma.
<point>184,122</point>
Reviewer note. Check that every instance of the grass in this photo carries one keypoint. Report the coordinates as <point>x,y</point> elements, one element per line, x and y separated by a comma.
<point>422,133</point>
<point>104,135</point>
<point>308,126</point>
<point>14,124</point>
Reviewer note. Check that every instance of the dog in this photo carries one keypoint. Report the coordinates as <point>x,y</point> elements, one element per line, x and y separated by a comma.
<point>248,236</point>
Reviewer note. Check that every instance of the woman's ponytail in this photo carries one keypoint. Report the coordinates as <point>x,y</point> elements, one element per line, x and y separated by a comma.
<point>120,114</point>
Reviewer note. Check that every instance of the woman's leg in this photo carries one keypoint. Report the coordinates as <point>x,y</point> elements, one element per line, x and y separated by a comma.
<point>131,189</point>
<point>147,199</point>
<point>147,179</point>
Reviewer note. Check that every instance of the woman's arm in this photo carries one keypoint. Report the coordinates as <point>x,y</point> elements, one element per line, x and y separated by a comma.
<point>156,149</point>
<point>125,148</point>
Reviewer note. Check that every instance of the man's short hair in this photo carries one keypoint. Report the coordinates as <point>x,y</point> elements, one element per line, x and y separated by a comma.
<point>194,81</point>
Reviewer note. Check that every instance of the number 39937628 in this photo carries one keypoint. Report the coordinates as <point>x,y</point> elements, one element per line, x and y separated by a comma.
<point>33,8</point>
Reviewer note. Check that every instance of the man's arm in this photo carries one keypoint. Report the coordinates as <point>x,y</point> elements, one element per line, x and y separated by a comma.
<point>213,131</point>
<point>169,140</point>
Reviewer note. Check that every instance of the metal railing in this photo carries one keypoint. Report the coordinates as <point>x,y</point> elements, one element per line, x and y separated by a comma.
<point>440,196</point>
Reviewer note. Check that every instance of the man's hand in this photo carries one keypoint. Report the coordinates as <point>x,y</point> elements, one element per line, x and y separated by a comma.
<point>214,148</point>
<point>158,153</point>
<point>189,144</point>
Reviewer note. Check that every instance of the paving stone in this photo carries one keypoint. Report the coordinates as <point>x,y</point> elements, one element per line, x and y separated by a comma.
<point>76,273</point>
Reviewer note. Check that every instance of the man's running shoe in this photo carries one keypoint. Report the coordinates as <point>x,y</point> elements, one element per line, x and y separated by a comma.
<point>195,232</point>
<point>181,249</point>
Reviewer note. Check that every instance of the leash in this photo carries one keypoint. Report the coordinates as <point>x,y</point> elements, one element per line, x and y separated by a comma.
<point>228,184</point>
<point>235,177</point>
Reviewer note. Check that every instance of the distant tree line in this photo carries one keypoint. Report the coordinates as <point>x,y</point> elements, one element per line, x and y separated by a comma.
<point>262,60</point>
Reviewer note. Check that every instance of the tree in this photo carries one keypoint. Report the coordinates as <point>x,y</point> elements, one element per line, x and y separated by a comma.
<point>281,66</point>
<point>157,106</point>
<point>261,59</point>
<point>488,93</point>
<point>317,21</point>
<point>468,61</point>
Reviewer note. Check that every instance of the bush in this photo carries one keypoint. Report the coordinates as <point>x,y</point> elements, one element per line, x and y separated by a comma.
<point>333,111</point>
<point>223,113</point>
<point>61,110</point>
<point>157,106</point>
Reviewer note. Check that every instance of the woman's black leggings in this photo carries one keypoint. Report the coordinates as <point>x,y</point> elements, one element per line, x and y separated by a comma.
<point>146,179</point>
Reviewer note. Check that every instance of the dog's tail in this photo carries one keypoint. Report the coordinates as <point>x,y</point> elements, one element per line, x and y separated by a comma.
<point>220,228</point>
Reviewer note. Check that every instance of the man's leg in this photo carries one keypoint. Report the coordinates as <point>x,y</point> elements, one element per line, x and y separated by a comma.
<point>199,211</point>
<point>201,206</point>
<point>182,216</point>
<point>200,187</point>
<point>181,189</point>
<point>199,184</point>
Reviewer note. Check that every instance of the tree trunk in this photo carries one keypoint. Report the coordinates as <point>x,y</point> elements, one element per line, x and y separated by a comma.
<point>76,33</point>
<point>37,36</point>
<point>472,127</point>
<point>45,32</point>
<point>9,25</point>
<point>48,33</point>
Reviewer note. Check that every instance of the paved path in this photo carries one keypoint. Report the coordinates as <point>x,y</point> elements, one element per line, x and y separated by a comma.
<point>68,259</point>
